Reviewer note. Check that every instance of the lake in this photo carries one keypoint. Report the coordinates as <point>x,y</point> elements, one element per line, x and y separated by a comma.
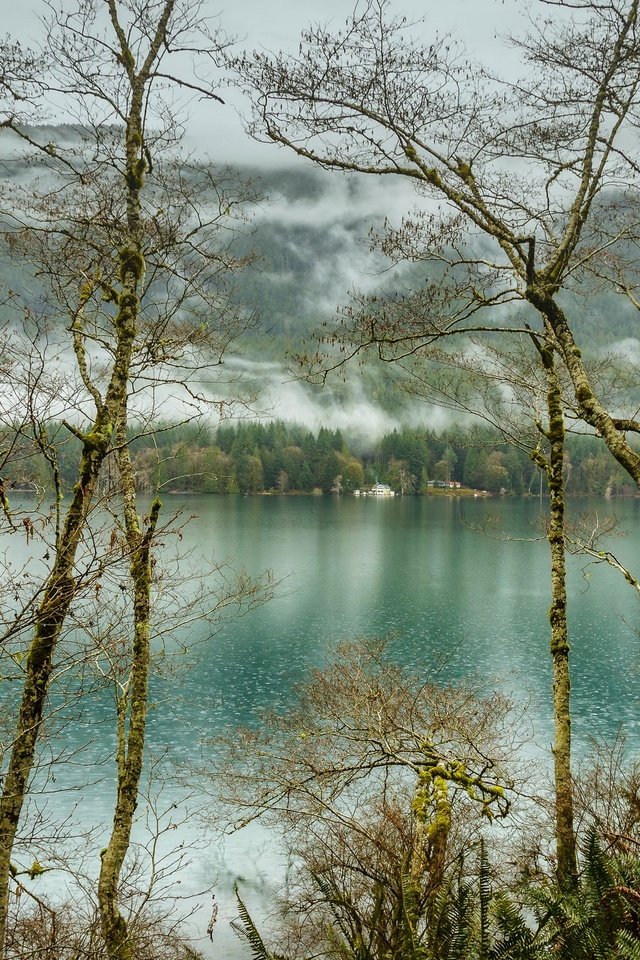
<point>462,586</point>
<point>421,569</point>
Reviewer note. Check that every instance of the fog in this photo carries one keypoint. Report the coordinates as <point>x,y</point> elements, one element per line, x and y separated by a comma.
<point>337,215</point>
<point>276,395</point>
<point>336,197</point>
<point>348,409</point>
<point>626,349</point>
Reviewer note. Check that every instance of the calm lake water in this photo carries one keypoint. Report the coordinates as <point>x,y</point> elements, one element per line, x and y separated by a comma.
<point>455,598</point>
<point>422,570</point>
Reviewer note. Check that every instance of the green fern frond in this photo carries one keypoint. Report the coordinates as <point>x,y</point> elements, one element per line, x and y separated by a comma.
<point>628,946</point>
<point>598,866</point>
<point>485,889</point>
<point>514,939</point>
<point>461,917</point>
<point>249,932</point>
<point>412,948</point>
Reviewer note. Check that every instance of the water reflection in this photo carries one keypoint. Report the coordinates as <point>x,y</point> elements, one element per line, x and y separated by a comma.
<point>457,601</point>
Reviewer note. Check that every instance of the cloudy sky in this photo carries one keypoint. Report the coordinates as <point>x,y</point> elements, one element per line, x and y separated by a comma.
<point>479,24</point>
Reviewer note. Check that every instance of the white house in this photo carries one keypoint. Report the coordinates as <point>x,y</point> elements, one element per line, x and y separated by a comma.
<point>382,490</point>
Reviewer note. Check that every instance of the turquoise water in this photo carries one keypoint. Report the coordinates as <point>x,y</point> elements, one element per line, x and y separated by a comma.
<point>462,586</point>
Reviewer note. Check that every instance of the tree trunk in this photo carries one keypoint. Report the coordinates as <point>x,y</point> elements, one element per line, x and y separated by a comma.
<point>51,615</point>
<point>59,589</point>
<point>132,714</point>
<point>589,407</point>
<point>565,833</point>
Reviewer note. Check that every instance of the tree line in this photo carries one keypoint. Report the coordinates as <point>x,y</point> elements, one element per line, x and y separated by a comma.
<point>255,457</point>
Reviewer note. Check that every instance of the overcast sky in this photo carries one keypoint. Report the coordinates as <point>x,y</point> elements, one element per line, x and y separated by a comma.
<point>278,24</point>
<point>479,24</point>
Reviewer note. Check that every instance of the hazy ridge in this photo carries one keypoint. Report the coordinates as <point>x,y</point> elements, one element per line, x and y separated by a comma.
<point>310,232</point>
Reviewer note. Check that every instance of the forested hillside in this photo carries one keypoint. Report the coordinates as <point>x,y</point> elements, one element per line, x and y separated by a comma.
<point>309,234</point>
<point>307,239</point>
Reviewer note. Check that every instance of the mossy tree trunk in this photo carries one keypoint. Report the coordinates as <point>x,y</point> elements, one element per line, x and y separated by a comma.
<point>132,704</point>
<point>58,590</point>
<point>132,714</point>
<point>432,846</point>
<point>54,606</point>
<point>611,429</point>
<point>553,465</point>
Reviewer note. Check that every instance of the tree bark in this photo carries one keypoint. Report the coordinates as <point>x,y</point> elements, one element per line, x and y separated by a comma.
<point>566,868</point>
<point>132,714</point>
<point>52,612</point>
<point>589,406</point>
<point>59,589</point>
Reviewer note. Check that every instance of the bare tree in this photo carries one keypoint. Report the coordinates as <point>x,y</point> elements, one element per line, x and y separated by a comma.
<point>514,175</point>
<point>129,248</point>
<point>376,780</point>
<point>521,204</point>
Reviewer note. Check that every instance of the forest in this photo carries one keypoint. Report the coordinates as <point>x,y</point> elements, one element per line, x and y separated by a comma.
<point>280,457</point>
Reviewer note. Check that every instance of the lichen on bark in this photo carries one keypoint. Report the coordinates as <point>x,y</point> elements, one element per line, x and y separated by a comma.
<point>553,464</point>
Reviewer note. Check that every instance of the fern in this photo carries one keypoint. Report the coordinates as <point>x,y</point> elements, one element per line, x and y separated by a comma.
<point>470,920</point>
<point>514,939</point>
<point>460,918</point>
<point>601,919</point>
<point>412,948</point>
<point>249,932</point>
<point>346,918</point>
<point>628,946</point>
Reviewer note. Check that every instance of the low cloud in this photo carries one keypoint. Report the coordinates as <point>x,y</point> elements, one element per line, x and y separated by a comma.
<point>627,349</point>
<point>348,409</point>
